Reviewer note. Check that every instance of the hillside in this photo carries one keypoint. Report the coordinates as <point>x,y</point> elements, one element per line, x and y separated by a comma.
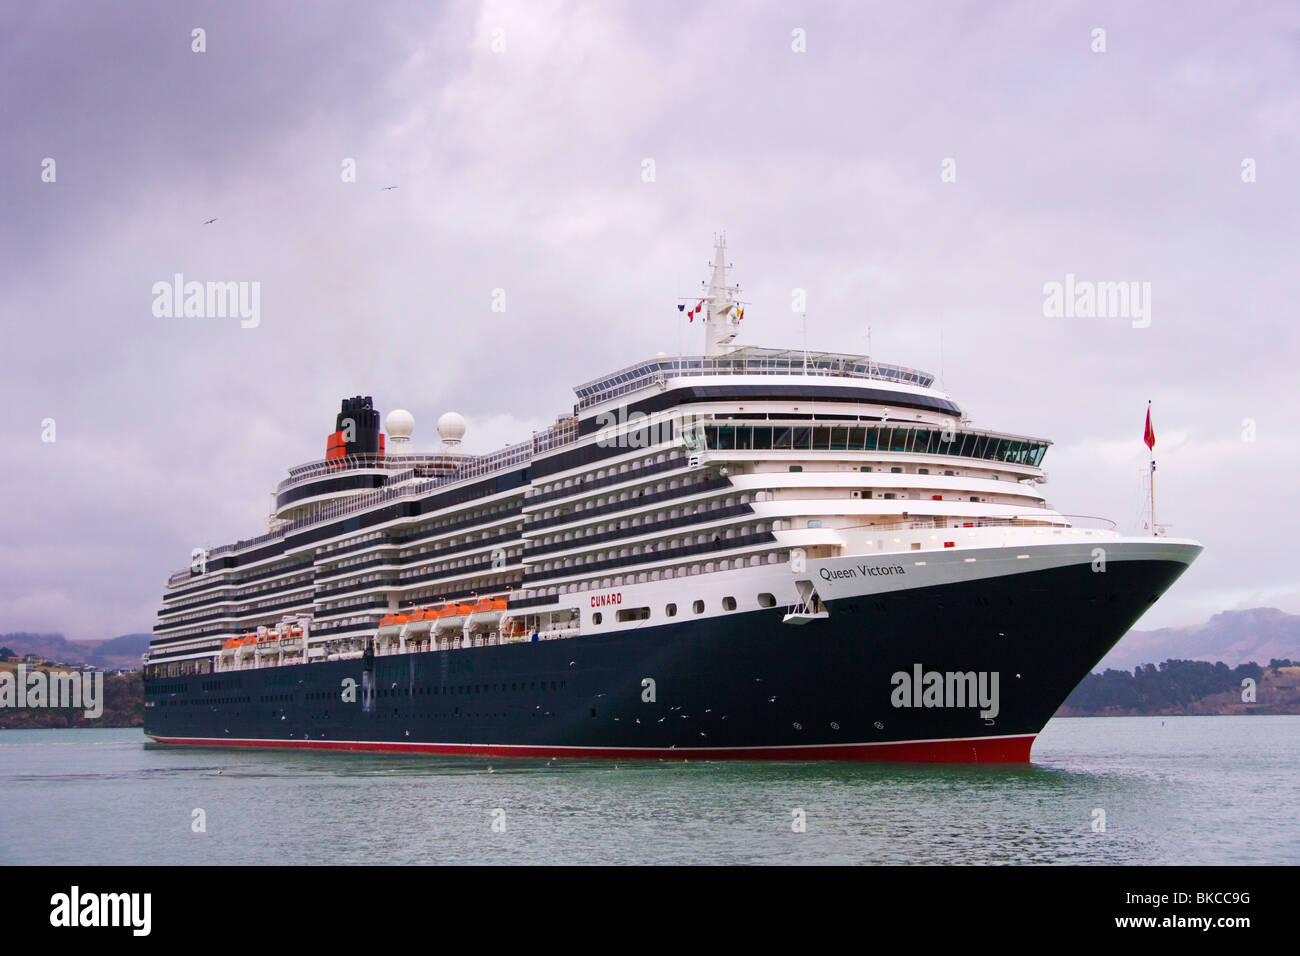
<point>116,652</point>
<point>1186,688</point>
<point>123,706</point>
<point>1234,637</point>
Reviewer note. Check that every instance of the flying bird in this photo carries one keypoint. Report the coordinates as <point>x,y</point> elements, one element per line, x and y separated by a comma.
<point>208,222</point>
<point>387,188</point>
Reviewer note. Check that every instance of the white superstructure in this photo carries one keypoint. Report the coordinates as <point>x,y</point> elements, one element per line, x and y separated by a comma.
<point>679,486</point>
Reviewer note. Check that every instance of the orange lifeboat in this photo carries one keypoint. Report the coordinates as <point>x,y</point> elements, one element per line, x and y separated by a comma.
<point>452,618</point>
<point>487,614</point>
<point>419,623</point>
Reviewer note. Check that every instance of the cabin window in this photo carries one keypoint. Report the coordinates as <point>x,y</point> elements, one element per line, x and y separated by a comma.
<point>670,610</point>
<point>728,603</point>
<point>633,614</point>
<point>597,618</point>
<point>796,467</point>
<point>766,600</point>
<point>698,607</point>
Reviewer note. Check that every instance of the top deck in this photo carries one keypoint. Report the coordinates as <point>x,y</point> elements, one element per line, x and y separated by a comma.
<point>750,360</point>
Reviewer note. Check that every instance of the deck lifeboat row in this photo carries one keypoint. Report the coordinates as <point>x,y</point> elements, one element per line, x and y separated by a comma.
<point>267,639</point>
<point>264,638</point>
<point>444,618</point>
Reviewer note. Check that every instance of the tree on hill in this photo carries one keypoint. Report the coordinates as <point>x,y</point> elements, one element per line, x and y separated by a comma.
<point>1173,684</point>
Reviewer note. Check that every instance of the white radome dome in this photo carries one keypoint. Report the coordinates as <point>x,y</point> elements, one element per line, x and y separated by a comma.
<point>399,424</point>
<point>451,428</point>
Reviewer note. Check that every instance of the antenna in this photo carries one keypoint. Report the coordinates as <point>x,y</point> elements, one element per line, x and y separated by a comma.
<point>943,387</point>
<point>805,343</point>
<point>681,329</point>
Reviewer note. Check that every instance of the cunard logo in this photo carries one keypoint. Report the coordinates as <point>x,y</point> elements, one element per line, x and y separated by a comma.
<point>955,689</point>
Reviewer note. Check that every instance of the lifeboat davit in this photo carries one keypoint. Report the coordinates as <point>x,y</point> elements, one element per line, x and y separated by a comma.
<point>452,618</point>
<point>419,623</point>
<point>487,613</point>
<point>390,625</point>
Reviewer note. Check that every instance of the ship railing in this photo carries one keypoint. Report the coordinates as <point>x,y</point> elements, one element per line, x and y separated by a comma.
<point>471,467</point>
<point>948,523</point>
<point>751,361</point>
<point>386,462</point>
<point>563,432</point>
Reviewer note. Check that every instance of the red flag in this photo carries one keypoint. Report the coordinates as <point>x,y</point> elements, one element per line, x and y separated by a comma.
<point>1150,435</point>
<point>695,310</point>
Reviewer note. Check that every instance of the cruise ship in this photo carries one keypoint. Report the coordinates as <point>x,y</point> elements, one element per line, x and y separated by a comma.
<point>752,553</point>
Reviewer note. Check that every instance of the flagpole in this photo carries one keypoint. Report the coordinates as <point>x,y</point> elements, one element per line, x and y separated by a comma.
<point>1151,454</point>
<point>1154,532</point>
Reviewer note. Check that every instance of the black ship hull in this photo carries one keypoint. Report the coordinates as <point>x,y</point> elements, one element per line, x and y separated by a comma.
<point>872,681</point>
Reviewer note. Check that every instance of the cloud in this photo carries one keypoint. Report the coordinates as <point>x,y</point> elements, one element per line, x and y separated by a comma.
<point>524,171</point>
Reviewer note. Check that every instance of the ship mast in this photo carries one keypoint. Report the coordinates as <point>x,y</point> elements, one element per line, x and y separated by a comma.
<point>721,321</point>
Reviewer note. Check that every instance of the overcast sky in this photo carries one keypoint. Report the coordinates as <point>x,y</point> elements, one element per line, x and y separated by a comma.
<point>518,136</point>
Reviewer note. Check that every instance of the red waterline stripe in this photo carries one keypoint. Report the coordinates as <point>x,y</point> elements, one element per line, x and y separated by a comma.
<point>981,750</point>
